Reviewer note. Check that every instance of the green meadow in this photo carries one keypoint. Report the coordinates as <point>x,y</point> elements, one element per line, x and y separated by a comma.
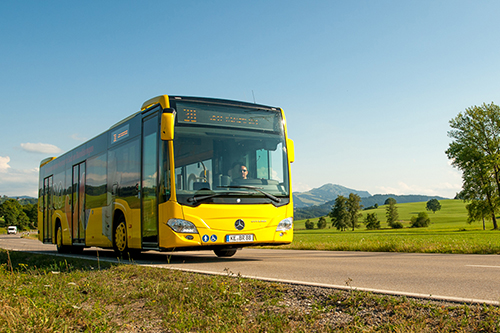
<point>448,232</point>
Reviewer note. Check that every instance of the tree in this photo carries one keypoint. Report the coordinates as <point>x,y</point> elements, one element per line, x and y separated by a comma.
<point>353,206</point>
<point>391,212</point>
<point>478,188</point>
<point>420,221</point>
<point>23,222</point>
<point>371,221</point>
<point>478,210</point>
<point>13,214</point>
<point>309,224</point>
<point>389,200</point>
<point>433,205</point>
<point>31,211</point>
<point>339,215</point>
<point>321,223</point>
<point>476,152</point>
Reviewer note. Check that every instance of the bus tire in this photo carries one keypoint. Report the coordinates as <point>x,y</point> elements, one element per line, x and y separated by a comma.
<point>120,237</point>
<point>59,239</point>
<point>221,253</point>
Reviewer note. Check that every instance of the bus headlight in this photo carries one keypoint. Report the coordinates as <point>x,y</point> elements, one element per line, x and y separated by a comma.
<point>285,224</point>
<point>182,226</point>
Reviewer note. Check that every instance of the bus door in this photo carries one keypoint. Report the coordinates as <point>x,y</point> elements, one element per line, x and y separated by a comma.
<point>48,208</point>
<point>149,182</point>
<point>78,204</point>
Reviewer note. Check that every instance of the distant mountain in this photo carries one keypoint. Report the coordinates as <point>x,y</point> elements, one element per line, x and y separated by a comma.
<point>323,194</point>
<point>23,197</point>
<point>379,199</point>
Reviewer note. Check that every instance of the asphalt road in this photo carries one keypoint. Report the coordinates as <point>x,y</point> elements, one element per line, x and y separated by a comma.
<point>463,278</point>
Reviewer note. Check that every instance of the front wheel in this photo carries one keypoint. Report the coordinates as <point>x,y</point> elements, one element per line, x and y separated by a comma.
<point>120,238</point>
<point>225,252</point>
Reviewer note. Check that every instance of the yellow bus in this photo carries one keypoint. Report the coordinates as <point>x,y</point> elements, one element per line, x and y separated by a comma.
<point>183,173</point>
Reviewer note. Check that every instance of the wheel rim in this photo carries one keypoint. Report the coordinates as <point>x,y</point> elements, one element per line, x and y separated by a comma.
<point>121,237</point>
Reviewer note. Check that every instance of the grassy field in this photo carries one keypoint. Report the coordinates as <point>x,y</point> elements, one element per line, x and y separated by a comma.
<point>448,233</point>
<point>53,294</point>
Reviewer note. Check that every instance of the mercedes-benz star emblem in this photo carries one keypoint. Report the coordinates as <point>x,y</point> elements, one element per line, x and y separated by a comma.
<point>239,224</point>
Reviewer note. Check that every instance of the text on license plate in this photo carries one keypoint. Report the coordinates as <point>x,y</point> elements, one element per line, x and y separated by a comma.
<point>239,238</point>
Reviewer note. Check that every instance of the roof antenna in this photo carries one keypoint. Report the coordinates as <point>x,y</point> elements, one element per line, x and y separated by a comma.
<point>253,97</point>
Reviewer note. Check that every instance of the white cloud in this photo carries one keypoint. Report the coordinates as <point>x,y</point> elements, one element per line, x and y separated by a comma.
<point>300,187</point>
<point>445,189</point>
<point>4,163</point>
<point>77,137</point>
<point>44,148</point>
<point>15,182</point>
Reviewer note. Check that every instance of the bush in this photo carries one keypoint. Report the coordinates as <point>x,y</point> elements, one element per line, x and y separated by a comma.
<point>371,221</point>
<point>420,221</point>
<point>321,223</point>
<point>309,224</point>
<point>375,206</point>
<point>397,225</point>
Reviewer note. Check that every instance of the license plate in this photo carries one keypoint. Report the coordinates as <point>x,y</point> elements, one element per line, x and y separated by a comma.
<point>239,238</point>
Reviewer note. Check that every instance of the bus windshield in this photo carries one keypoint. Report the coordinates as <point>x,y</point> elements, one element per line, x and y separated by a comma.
<point>226,154</point>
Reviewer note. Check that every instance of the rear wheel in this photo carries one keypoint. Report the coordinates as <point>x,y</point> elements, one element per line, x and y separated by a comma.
<point>225,252</point>
<point>59,240</point>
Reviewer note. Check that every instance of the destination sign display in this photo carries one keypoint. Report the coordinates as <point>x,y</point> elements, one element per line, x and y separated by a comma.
<point>223,116</point>
<point>120,134</point>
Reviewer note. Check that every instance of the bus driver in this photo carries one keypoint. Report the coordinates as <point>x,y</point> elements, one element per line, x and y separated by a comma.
<point>243,172</point>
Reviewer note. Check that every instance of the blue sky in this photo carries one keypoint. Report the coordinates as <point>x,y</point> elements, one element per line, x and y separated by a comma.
<point>368,87</point>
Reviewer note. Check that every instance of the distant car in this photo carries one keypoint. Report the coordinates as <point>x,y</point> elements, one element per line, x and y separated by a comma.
<point>12,230</point>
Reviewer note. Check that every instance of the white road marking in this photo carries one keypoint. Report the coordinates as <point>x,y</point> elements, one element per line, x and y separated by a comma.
<point>483,266</point>
<point>325,285</point>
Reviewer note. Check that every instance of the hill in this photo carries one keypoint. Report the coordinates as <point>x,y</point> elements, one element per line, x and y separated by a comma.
<point>23,200</point>
<point>323,194</point>
<point>379,199</point>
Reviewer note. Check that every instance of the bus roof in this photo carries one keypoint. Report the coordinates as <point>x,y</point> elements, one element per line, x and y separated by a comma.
<point>164,101</point>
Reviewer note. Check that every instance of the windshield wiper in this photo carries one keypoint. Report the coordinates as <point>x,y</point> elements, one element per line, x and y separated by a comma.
<point>195,199</point>
<point>258,189</point>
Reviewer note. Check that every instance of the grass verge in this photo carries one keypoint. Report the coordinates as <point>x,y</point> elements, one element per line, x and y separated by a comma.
<point>447,233</point>
<point>398,240</point>
<point>53,294</point>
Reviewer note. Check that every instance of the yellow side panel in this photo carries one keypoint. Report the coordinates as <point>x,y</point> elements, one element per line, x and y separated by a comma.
<point>94,235</point>
<point>66,232</point>
<point>133,219</point>
<point>134,229</point>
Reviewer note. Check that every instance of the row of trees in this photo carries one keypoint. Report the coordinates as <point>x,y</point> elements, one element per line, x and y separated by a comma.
<point>475,150</point>
<point>24,217</point>
<point>345,214</point>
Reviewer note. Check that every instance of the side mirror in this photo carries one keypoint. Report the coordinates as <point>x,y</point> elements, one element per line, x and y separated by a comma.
<point>290,147</point>
<point>167,124</point>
